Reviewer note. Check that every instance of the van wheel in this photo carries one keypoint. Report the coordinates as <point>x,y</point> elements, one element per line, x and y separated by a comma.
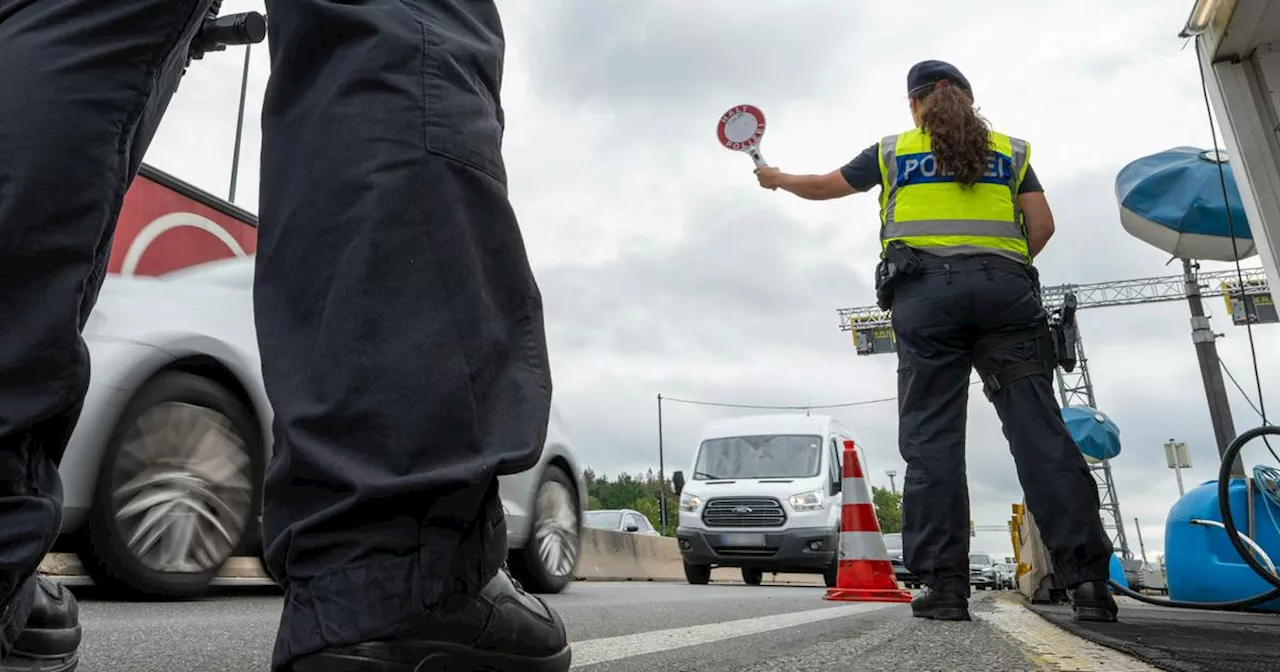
<point>697,575</point>
<point>832,573</point>
<point>752,577</point>
<point>550,556</point>
<point>178,490</point>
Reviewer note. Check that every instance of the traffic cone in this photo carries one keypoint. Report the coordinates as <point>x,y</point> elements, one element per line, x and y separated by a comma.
<point>865,573</point>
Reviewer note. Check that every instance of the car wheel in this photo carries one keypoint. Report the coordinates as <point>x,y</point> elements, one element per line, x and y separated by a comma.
<point>180,484</point>
<point>752,577</point>
<point>698,575</point>
<point>547,561</point>
<point>831,575</point>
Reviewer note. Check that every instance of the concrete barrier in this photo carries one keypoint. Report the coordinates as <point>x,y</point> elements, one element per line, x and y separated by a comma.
<point>618,556</point>
<point>606,556</point>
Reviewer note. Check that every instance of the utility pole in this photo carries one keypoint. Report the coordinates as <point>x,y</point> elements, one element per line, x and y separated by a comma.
<point>1215,389</point>
<point>662,476</point>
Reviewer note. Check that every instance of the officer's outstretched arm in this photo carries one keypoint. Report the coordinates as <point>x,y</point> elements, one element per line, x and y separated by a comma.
<point>1038,218</point>
<point>811,187</point>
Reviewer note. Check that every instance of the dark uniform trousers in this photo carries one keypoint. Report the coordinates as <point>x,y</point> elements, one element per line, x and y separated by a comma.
<point>400,325</point>
<point>955,308</point>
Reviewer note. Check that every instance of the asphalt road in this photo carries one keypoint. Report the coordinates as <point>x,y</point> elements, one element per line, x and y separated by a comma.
<point>615,627</point>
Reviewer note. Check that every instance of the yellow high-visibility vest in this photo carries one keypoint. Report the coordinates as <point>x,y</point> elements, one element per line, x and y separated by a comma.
<point>928,210</point>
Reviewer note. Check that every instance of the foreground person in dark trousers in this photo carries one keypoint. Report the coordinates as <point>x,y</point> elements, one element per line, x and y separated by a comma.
<point>400,325</point>
<point>962,216</point>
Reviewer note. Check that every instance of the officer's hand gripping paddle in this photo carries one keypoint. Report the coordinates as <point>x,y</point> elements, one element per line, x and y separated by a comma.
<point>741,129</point>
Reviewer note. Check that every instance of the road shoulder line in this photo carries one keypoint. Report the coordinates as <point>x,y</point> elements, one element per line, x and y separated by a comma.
<point>1053,648</point>
<point>594,651</point>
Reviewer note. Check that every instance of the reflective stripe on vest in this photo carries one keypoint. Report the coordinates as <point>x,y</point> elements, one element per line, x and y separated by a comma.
<point>927,209</point>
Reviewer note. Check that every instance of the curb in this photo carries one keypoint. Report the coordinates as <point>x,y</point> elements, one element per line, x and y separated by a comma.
<point>68,565</point>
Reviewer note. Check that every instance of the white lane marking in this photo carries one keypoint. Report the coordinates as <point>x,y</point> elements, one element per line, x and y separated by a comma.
<point>606,649</point>
<point>1052,647</point>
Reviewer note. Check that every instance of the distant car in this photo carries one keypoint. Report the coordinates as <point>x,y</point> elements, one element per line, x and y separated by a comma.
<point>983,574</point>
<point>164,472</point>
<point>619,520</point>
<point>1007,577</point>
<point>893,541</point>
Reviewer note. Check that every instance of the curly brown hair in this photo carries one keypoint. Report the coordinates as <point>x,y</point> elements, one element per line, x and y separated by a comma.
<point>960,136</point>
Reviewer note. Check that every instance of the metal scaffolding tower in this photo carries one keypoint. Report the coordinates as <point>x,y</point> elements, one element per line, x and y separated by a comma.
<point>873,334</point>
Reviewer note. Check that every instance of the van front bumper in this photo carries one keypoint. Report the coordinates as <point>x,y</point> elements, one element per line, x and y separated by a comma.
<point>798,550</point>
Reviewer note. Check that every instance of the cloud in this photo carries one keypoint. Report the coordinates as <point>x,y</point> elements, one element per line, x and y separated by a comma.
<point>665,270</point>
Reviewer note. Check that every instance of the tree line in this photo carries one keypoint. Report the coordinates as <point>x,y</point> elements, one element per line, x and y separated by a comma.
<point>644,492</point>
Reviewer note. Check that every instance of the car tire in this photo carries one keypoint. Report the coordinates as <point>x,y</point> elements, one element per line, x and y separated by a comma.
<point>697,575</point>
<point>187,444</point>
<point>831,575</point>
<point>547,562</point>
<point>752,577</point>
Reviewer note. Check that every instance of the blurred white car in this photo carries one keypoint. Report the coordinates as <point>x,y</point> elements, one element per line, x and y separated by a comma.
<point>163,475</point>
<point>627,521</point>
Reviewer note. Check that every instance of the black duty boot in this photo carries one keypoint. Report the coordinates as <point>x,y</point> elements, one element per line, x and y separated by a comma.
<point>940,605</point>
<point>50,640</point>
<point>1092,601</point>
<point>501,629</point>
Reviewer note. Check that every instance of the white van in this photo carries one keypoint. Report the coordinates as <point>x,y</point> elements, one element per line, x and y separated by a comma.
<point>763,495</point>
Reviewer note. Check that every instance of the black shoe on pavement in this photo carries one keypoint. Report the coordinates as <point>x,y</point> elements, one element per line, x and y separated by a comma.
<point>50,641</point>
<point>940,605</point>
<point>500,629</point>
<point>1092,601</point>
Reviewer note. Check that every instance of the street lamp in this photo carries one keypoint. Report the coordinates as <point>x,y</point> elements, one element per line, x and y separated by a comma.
<point>235,153</point>
<point>1178,458</point>
<point>1201,16</point>
<point>891,473</point>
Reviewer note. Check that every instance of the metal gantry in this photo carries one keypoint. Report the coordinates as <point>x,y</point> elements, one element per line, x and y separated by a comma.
<point>873,334</point>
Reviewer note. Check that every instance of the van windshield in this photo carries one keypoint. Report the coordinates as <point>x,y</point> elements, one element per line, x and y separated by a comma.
<point>766,456</point>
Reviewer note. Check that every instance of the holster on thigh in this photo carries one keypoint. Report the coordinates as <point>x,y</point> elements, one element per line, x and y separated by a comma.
<point>1004,357</point>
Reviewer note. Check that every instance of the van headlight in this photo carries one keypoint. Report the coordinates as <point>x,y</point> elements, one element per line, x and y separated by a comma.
<point>689,503</point>
<point>808,501</point>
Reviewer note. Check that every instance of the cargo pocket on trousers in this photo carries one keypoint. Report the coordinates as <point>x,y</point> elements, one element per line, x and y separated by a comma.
<point>1001,359</point>
<point>462,80</point>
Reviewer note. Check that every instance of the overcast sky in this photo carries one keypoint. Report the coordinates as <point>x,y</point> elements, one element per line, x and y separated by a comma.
<point>666,270</point>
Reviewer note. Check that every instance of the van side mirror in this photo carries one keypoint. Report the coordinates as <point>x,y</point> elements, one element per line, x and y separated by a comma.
<point>836,487</point>
<point>677,481</point>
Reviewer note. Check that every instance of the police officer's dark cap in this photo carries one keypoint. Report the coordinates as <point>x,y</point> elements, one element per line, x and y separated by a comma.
<point>923,76</point>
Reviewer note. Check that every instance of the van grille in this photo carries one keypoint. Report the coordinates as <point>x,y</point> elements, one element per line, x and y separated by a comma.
<point>744,512</point>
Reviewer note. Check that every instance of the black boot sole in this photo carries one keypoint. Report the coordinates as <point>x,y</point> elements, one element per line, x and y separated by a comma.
<point>20,662</point>
<point>32,651</point>
<point>1093,614</point>
<point>426,657</point>
<point>48,642</point>
<point>942,613</point>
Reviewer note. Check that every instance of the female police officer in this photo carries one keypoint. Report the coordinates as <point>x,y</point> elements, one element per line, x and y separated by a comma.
<point>962,216</point>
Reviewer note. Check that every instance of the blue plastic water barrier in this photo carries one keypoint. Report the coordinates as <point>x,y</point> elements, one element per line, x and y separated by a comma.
<point>1117,571</point>
<point>1200,562</point>
<point>1173,200</point>
<point>1095,433</point>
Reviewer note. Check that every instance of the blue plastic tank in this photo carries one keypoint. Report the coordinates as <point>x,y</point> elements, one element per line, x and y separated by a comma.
<point>1201,565</point>
<point>1117,571</point>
